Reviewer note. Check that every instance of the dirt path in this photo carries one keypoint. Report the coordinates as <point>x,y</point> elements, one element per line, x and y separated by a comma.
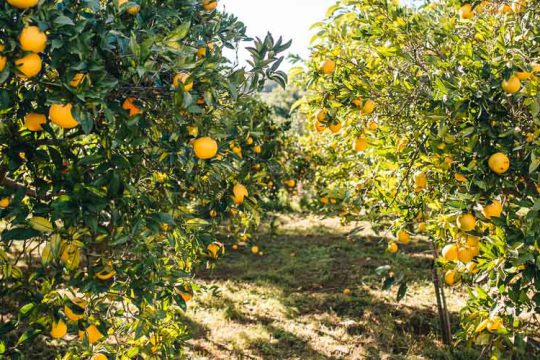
<point>288,304</point>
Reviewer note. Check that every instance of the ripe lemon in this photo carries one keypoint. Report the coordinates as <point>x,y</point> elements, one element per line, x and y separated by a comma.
<point>77,80</point>
<point>291,183</point>
<point>335,128</point>
<point>357,102</point>
<point>450,277</point>
<point>499,163</point>
<point>130,106</point>
<point>99,356</point>
<point>81,303</point>
<point>324,200</point>
<point>61,115</point>
<point>472,241</point>
<point>328,66</point>
<point>403,237</point>
<point>183,78</point>
<point>201,52</point>
<point>392,247</point>
<point>472,268</point>
<point>511,85</point>
<point>460,177</point>
<point>319,127</point>
<point>466,222</point>
<point>249,140</point>
<point>523,75</point>
<point>205,148</point>
<point>3,63</point>
<point>320,115</point>
<point>368,107</point>
<point>209,5</point>
<point>255,249</point>
<point>29,65</point>
<point>23,4</point>
<point>493,210</point>
<point>420,181</point>
<point>4,203</point>
<point>237,150</point>
<point>257,149</point>
<point>465,255</point>
<point>213,250</point>
<point>58,329</point>
<point>239,192</point>
<point>495,323</point>
<point>346,292</point>
<point>466,11</point>
<point>92,333</point>
<point>361,144</point>
<point>372,126</point>
<point>33,121</point>
<point>450,252</point>
<point>422,227</point>
<point>33,39</point>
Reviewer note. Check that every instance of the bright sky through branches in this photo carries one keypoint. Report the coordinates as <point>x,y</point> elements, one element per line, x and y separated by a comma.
<point>288,18</point>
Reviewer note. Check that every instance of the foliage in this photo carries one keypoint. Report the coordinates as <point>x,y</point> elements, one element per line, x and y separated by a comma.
<point>451,89</point>
<point>105,209</point>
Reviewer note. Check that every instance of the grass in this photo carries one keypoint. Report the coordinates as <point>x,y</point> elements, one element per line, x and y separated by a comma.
<point>288,304</point>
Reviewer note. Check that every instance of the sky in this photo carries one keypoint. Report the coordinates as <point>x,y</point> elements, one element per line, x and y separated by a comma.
<point>288,18</point>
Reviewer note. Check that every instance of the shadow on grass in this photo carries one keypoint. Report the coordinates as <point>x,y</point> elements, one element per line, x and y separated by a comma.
<point>305,274</point>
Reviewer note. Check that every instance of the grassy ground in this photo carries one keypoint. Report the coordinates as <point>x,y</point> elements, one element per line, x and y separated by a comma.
<point>288,304</point>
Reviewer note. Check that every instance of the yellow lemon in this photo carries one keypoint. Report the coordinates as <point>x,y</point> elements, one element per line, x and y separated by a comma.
<point>465,255</point>
<point>99,356</point>
<point>422,227</point>
<point>255,249</point>
<point>4,203</point>
<point>392,247</point>
<point>183,78</point>
<point>205,148</point>
<point>81,303</point>
<point>335,128</point>
<point>466,11</point>
<point>466,222</point>
<point>328,66</point>
<point>499,163</point>
<point>130,106</point>
<point>368,107</point>
<point>33,39</point>
<point>61,115</point>
<point>209,5</point>
<point>29,65</point>
<point>493,210</point>
<point>92,333</point>
<point>33,121</point>
<point>403,237</point>
<point>58,329</point>
<point>23,4</point>
<point>360,144</point>
<point>460,177</point>
<point>3,62</point>
<point>77,80</point>
<point>346,292</point>
<point>450,252</point>
<point>450,277</point>
<point>239,192</point>
<point>511,85</point>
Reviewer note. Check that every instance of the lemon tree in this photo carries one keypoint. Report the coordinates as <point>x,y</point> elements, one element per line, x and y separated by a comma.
<point>425,121</point>
<point>127,136</point>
